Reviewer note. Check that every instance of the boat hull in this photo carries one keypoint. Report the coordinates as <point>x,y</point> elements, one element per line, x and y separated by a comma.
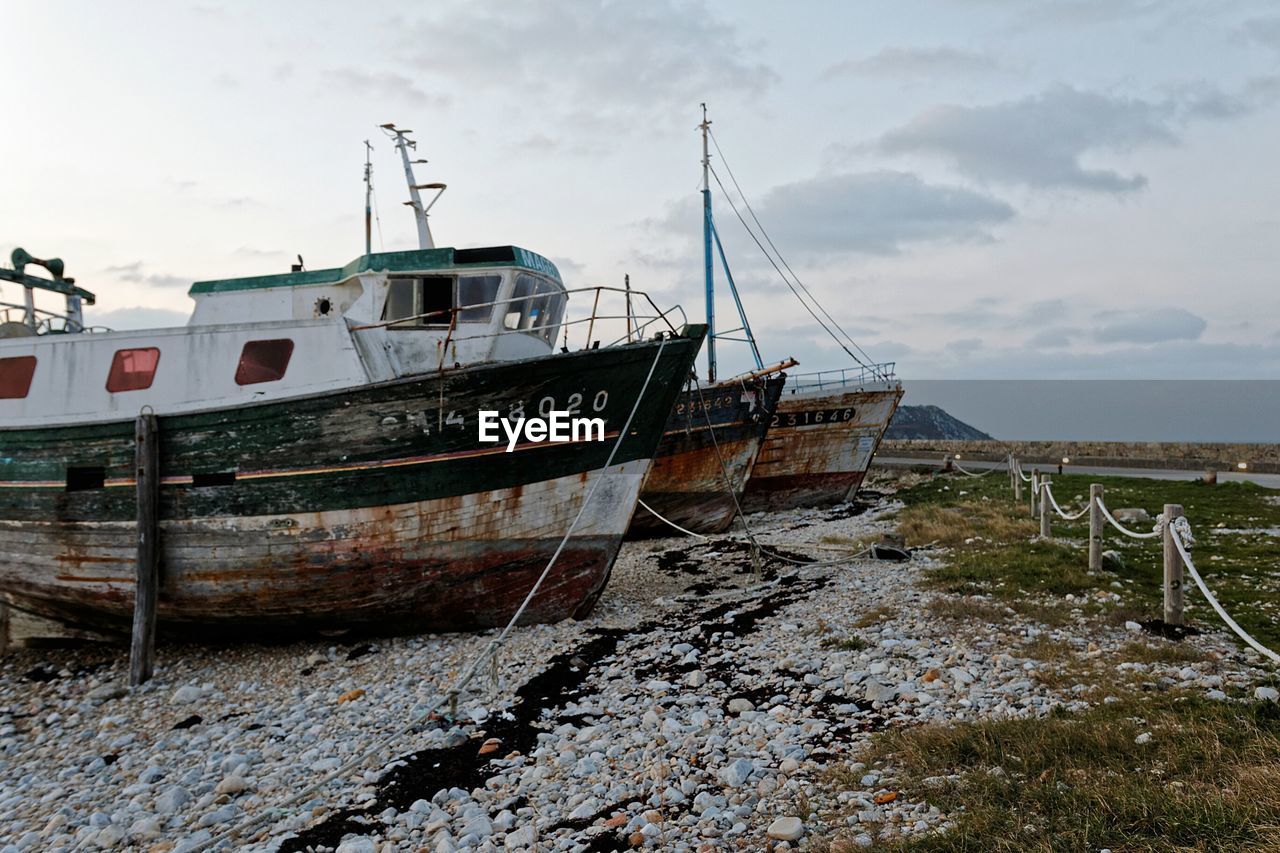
<point>819,446</point>
<point>376,508</point>
<point>700,469</point>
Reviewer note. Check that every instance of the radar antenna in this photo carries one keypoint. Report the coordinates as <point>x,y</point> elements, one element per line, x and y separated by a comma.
<point>403,143</point>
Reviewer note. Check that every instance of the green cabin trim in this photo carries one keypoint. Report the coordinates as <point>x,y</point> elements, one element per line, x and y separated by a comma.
<point>416,260</point>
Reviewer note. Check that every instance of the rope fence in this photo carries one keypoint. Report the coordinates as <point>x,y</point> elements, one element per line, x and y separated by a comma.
<point>1170,525</point>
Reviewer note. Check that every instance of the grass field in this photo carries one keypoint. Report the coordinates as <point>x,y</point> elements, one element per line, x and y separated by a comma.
<point>1147,770</point>
<point>1237,550</point>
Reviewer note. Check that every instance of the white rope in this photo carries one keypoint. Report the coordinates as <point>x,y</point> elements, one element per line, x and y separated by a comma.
<point>1204,590</point>
<point>668,521</point>
<point>1026,478</point>
<point>1054,503</point>
<point>1126,531</point>
<point>956,465</point>
<point>464,678</point>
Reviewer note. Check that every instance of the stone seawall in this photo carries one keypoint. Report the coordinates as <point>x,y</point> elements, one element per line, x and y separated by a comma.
<point>1263,458</point>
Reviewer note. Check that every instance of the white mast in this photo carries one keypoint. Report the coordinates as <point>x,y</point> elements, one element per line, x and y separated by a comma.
<point>403,143</point>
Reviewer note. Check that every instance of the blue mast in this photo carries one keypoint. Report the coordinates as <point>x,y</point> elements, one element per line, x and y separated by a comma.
<point>706,250</point>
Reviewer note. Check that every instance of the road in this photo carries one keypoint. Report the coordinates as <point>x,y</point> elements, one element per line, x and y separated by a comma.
<point>1270,481</point>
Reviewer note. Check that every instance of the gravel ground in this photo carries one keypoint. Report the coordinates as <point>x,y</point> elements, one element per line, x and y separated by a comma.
<point>697,709</point>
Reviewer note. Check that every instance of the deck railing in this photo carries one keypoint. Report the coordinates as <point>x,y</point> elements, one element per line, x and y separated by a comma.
<point>842,378</point>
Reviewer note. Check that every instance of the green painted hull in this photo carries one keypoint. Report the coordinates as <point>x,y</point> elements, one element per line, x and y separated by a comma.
<point>376,507</point>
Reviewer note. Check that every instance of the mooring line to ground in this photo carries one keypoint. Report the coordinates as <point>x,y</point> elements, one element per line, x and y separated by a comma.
<point>1180,536</point>
<point>668,521</point>
<point>464,678</point>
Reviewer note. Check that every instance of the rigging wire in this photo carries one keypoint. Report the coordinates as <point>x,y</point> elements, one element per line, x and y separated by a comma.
<point>746,203</point>
<point>785,280</point>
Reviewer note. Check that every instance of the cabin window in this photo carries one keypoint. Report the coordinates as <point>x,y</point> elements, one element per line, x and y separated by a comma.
<point>263,361</point>
<point>424,301</point>
<point>477,290</point>
<point>133,369</point>
<point>82,479</point>
<point>15,376</point>
<point>536,307</point>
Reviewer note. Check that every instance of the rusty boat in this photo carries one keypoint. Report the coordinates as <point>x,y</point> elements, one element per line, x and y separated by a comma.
<point>826,427</point>
<point>709,445</point>
<point>320,461</point>
<point>822,438</point>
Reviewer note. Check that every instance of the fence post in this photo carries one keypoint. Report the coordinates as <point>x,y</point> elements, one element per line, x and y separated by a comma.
<point>1045,483</point>
<point>1035,491</point>
<point>946,463</point>
<point>1017,482</point>
<point>146,468</point>
<point>1172,568</point>
<point>1095,527</point>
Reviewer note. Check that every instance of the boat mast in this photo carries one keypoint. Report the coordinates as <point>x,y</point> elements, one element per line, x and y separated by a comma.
<point>706,249</point>
<point>403,143</point>
<point>368,192</point>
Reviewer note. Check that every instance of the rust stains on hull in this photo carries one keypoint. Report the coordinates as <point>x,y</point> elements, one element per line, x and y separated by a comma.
<point>450,564</point>
<point>819,447</point>
<point>711,442</point>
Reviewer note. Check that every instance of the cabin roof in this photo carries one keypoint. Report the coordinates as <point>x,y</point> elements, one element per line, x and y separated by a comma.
<point>416,260</point>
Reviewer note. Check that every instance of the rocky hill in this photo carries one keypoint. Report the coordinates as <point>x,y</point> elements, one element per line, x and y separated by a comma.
<point>932,423</point>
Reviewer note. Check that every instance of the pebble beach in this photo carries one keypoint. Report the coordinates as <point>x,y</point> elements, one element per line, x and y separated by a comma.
<point>703,706</point>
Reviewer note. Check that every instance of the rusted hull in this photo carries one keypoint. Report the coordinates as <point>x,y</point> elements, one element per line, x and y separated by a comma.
<point>707,450</point>
<point>387,569</point>
<point>819,446</point>
<point>375,509</point>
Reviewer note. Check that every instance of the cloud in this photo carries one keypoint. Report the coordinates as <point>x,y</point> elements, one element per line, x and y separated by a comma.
<point>876,213</point>
<point>1153,326</point>
<point>134,273</point>
<point>262,254</point>
<point>587,60</point>
<point>1264,31</point>
<point>137,317</point>
<point>918,63</point>
<point>382,86</point>
<point>1052,338</point>
<point>1038,141</point>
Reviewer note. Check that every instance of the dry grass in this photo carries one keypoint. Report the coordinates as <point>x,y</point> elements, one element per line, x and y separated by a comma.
<point>951,526</point>
<point>967,609</point>
<point>875,616</point>
<point>1159,651</point>
<point>1208,780</point>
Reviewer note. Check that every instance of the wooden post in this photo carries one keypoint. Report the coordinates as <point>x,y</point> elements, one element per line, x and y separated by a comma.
<point>1012,474</point>
<point>1035,491</point>
<point>1172,568</point>
<point>142,647</point>
<point>1210,477</point>
<point>1044,507</point>
<point>1017,482</point>
<point>946,463</point>
<point>1095,527</point>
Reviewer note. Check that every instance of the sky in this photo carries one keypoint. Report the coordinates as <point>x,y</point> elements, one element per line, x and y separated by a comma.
<point>974,189</point>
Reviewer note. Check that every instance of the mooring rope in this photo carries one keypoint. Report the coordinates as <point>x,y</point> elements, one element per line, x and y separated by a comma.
<point>668,521</point>
<point>464,678</point>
